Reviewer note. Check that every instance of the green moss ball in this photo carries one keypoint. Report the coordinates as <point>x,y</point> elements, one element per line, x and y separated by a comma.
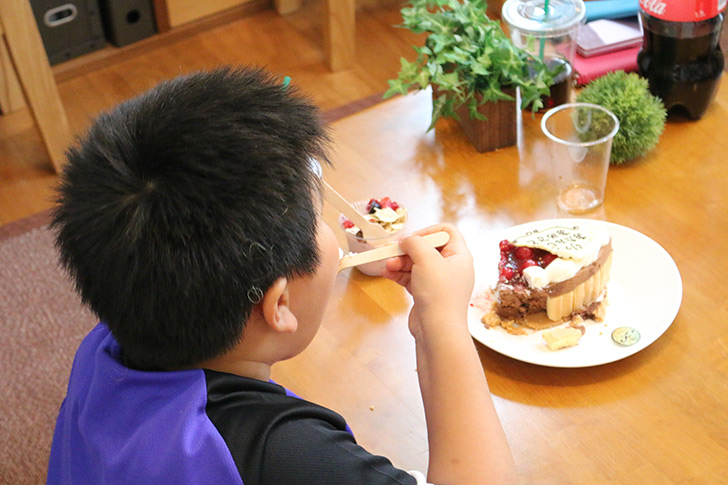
<point>641,115</point>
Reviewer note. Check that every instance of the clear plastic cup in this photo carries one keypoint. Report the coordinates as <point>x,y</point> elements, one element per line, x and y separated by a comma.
<point>548,31</point>
<point>360,244</point>
<point>580,145</point>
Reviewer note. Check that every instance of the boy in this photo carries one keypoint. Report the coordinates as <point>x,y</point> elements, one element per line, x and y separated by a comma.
<point>188,218</point>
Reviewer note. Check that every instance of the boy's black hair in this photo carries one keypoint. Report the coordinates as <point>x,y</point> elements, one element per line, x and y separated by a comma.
<point>182,206</point>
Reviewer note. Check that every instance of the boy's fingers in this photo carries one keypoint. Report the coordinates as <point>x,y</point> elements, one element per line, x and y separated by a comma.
<point>436,228</point>
<point>398,277</point>
<point>398,263</point>
<point>417,248</point>
<point>455,244</point>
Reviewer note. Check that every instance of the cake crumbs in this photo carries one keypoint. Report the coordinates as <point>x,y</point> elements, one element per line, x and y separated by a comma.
<point>576,321</point>
<point>537,322</point>
<point>561,338</point>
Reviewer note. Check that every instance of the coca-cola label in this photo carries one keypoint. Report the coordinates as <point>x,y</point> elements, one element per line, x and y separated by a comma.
<point>683,10</point>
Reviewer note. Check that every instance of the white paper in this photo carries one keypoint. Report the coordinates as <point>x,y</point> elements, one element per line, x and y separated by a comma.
<point>615,32</point>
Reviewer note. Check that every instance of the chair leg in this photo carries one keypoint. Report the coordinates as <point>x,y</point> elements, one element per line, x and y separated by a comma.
<point>11,94</point>
<point>287,6</point>
<point>340,33</point>
<point>31,65</point>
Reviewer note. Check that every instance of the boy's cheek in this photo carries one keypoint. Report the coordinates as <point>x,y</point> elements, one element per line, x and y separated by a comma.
<point>329,249</point>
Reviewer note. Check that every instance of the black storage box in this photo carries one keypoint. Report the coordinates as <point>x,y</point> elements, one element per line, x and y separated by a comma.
<point>127,21</point>
<point>68,28</point>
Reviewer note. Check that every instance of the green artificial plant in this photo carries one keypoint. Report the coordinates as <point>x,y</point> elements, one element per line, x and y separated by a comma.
<point>641,115</point>
<point>467,59</point>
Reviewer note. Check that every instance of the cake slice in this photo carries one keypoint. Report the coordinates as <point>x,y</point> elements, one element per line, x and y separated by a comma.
<point>559,270</point>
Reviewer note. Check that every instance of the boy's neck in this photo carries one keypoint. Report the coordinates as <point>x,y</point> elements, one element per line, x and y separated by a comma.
<point>255,353</point>
<point>253,370</point>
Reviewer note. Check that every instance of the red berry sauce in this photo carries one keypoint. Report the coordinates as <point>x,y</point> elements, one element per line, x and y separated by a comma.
<point>513,260</point>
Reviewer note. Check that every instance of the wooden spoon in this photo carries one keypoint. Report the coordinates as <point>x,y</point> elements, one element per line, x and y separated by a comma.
<point>437,239</point>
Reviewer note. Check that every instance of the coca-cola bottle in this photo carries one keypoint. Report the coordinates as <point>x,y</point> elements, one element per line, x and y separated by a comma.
<point>681,56</point>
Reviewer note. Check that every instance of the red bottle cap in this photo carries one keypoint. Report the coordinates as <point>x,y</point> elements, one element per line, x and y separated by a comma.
<point>683,10</point>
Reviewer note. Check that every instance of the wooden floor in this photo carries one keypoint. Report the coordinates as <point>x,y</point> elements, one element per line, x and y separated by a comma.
<point>290,45</point>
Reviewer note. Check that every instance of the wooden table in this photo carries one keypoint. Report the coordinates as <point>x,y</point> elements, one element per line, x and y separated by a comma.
<point>659,416</point>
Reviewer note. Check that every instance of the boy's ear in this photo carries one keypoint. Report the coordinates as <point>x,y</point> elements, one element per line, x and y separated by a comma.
<point>275,307</point>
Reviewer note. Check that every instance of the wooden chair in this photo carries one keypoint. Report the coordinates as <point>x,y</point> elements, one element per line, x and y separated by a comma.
<point>26,77</point>
<point>339,30</point>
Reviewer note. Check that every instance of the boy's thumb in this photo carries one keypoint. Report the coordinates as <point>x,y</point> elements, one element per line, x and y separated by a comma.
<point>416,248</point>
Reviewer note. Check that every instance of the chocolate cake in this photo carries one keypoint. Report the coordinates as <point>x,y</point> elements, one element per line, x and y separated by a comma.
<point>560,270</point>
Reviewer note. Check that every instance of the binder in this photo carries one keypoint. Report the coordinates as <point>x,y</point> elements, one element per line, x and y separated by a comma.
<point>587,69</point>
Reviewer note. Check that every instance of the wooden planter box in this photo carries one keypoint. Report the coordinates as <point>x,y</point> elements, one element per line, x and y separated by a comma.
<point>498,131</point>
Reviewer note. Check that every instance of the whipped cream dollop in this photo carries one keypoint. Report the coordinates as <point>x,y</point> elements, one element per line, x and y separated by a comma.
<point>575,246</point>
<point>391,220</point>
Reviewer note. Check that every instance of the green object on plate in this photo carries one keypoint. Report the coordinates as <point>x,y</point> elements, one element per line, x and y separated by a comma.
<point>626,336</point>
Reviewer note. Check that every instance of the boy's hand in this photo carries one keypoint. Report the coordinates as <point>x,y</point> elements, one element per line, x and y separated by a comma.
<point>440,281</point>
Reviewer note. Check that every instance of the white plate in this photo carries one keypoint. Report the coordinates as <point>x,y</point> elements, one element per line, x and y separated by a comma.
<point>644,292</point>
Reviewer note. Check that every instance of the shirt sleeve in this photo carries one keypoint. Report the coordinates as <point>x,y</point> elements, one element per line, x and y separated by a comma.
<point>312,451</point>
